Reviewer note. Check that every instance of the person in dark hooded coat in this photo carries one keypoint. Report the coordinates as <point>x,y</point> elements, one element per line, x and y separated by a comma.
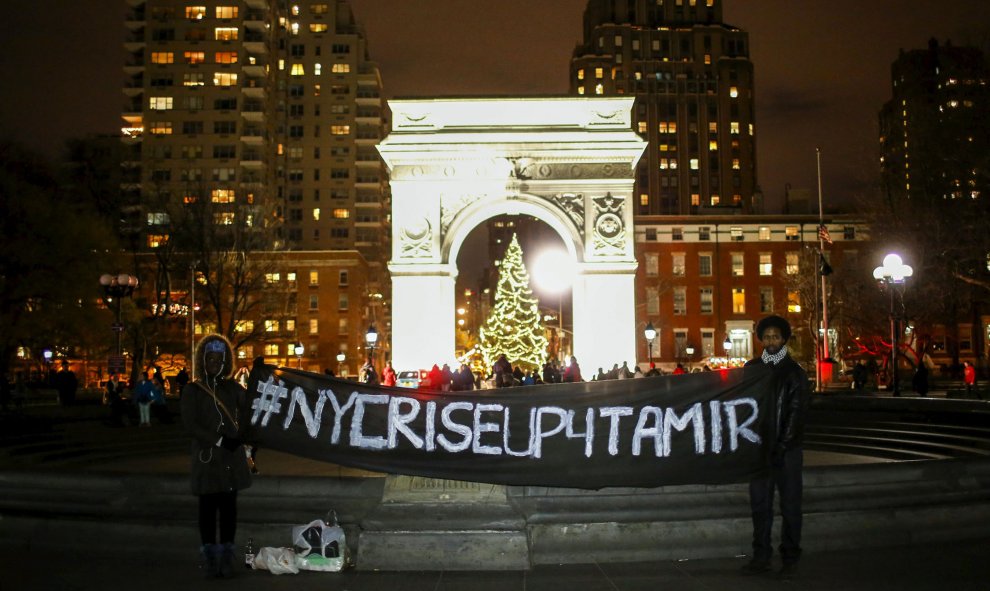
<point>215,413</point>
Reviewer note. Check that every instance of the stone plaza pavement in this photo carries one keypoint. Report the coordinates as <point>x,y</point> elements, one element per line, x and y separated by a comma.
<point>146,566</point>
<point>949,567</point>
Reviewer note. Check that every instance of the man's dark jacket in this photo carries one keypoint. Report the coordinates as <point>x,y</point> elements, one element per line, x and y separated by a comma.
<point>791,402</point>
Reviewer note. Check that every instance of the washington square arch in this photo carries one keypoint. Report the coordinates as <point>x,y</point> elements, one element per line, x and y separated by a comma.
<point>456,163</point>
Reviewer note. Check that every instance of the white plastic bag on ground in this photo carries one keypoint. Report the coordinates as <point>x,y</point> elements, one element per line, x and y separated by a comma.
<point>277,560</point>
<point>321,546</point>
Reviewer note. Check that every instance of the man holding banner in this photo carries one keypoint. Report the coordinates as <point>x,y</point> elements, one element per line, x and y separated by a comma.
<point>790,389</point>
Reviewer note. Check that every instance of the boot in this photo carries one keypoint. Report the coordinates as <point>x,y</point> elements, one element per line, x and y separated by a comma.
<point>226,569</point>
<point>210,554</point>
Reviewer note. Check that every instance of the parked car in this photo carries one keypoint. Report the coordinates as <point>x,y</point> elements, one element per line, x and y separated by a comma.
<point>410,378</point>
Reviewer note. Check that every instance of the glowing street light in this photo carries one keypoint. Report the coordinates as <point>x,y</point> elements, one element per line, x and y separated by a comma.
<point>299,350</point>
<point>650,333</point>
<point>892,272</point>
<point>727,344</point>
<point>554,271</point>
<point>371,338</point>
<point>340,361</point>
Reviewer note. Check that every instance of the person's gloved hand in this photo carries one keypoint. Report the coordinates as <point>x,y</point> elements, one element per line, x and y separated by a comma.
<point>776,457</point>
<point>230,443</point>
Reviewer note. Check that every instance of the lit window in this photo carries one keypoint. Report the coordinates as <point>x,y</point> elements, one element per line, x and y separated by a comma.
<point>714,200</point>
<point>734,92</point>
<point>712,146</point>
<point>225,57</point>
<point>580,90</point>
<point>314,277</point>
<point>644,199</point>
<point>712,127</point>
<point>156,240</point>
<point>735,164</point>
<point>341,68</point>
<point>791,266</point>
<point>314,27</point>
<point>224,218</point>
<point>664,164</point>
<point>737,264</point>
<point>273,277</point>
<point>580,74</point>
<point>341,214</point>
<point>223,195</point>
<point>791,233</point>
<point>738,300</point>
<point>734,128</point>
<point>766,264</point>
<point>318,8</point>
<point>193,79</point>
<point>225,33</point>
<point>224,79</point>
<point>314,326</point>
<point>317,69</point>
<point>194,57</point>
<point>226,12</point>
<point>195,12</point>
<point>695,199</point>
<point>340,129</point>
<point>677,268</point>
<point>694,164</point>
<point>161,127</point>
<point>162,57</point>
<point>652,264</point>
<point>316,214</point>
<point>271,349</point>
<point>599,89</point>
<point>764,233</point>
<point>160,103</point>
<point>750,129</point>
<point>271,325</point>
<point>599,73</point>
<point>298,70</point>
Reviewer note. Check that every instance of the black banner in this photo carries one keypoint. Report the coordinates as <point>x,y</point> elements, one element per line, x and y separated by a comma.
<point>700,428</point>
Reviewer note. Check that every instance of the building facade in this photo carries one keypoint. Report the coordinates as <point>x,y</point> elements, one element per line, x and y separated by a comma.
<point>705,280</point>
<point>693,81</point>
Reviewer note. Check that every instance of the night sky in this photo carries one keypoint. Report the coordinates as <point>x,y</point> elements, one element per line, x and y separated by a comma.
<point>822,67</point>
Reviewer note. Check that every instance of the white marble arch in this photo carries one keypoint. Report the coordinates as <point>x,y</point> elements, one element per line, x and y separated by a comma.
<point>455,163</point>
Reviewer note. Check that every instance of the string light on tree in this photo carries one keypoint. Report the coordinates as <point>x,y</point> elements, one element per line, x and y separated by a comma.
<point>514,326</point>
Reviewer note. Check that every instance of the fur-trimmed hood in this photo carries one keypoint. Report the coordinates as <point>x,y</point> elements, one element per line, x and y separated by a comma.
<point>228,364</point>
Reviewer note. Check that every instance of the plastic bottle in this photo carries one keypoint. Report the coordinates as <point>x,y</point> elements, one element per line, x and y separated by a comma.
<point>249,554</point>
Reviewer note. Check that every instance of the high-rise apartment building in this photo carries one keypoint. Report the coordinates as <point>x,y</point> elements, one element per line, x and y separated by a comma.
<point>263,106</point>
<point>934,136</point>
<point>693,80</point>
<point>264,114</point>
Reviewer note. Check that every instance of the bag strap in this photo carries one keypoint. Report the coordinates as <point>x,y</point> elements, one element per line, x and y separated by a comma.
<point>220,403</point>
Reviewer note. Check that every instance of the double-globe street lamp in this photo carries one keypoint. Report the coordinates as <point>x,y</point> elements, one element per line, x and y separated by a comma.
<point>892,272</point>
<point>115,288</point>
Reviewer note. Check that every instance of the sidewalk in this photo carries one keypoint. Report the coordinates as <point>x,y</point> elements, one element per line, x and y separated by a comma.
<point>955,567</point>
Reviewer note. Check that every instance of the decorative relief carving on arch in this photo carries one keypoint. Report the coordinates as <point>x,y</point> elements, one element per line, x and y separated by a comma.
<point>573,206</point>
<point>416,239</point>
<point>609,230</point>
<point>451,205</point>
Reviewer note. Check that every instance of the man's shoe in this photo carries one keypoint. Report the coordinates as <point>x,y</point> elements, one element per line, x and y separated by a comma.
<point>756,566</point>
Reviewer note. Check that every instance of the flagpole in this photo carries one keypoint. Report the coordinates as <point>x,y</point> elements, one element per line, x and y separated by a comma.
<point>821,253</point>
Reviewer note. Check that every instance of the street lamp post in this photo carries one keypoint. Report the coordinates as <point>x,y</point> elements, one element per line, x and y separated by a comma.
<point>727,344</point>
<point>299,350</point>
<point>371,338</point>
<point>340,362</point>
<point>650,333</point>
<point>115,288</point>
<point>891,273</point>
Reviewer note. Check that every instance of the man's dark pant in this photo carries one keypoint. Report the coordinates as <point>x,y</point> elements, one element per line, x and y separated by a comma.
<point>787,478</point>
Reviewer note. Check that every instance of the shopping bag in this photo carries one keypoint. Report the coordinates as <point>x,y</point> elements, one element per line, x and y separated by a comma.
<point>321,546</point>
<point>277,560</point>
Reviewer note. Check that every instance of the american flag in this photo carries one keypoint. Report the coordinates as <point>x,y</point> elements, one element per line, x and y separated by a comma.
<point>823,234</point>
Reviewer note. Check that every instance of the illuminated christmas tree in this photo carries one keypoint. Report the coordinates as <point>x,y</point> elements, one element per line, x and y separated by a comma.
<point>514,326</point>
